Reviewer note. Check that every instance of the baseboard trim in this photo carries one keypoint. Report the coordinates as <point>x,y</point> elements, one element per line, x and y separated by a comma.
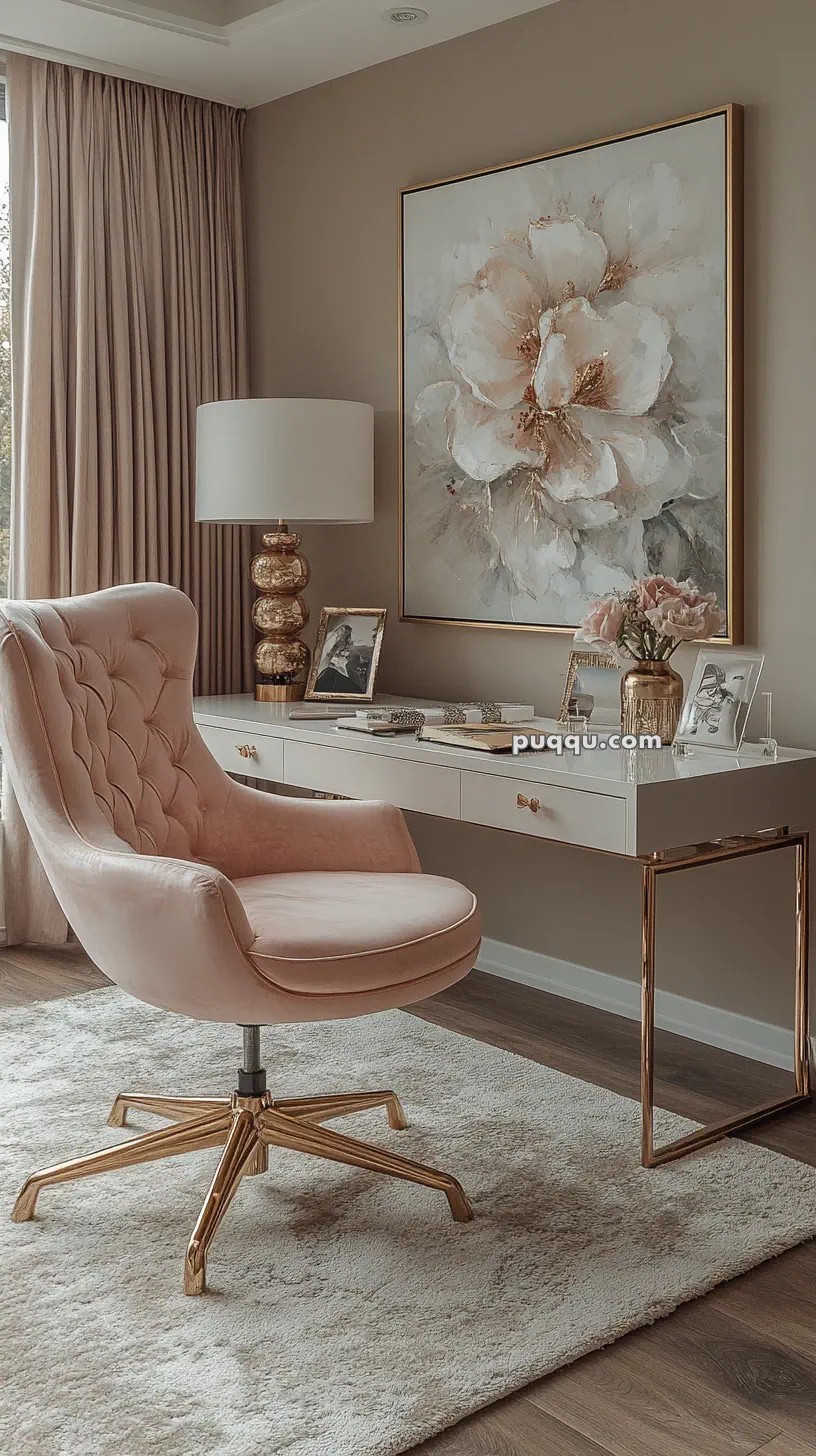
<point>760,1040</point>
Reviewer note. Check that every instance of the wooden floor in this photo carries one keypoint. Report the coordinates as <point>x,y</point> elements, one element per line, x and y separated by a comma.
<point>728,1375</point>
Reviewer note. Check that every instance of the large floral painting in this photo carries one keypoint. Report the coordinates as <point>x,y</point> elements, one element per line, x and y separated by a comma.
<point>569,398</point>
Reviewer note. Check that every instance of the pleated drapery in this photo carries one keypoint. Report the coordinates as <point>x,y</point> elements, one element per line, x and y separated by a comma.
<point>128,311</point>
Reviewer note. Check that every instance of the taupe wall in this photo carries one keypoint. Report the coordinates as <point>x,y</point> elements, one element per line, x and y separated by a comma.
<point>323,169</point>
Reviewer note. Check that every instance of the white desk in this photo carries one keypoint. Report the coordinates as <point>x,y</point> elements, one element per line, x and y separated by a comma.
<point>627,803</point>
<point>645,805</point>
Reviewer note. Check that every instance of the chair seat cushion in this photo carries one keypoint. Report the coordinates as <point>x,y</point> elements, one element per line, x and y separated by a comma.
<point>341,933</point>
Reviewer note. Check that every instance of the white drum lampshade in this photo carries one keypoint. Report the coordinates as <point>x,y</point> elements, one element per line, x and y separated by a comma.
<point>265,460</point>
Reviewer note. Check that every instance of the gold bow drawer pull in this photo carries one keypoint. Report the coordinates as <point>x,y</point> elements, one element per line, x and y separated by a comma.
<point>524,803</point>
<point>247,750</point>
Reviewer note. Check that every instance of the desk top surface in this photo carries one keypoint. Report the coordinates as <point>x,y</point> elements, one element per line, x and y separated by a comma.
<point>619,772</point>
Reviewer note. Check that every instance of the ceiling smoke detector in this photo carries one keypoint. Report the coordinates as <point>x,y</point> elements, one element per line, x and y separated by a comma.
<point>403,15</point>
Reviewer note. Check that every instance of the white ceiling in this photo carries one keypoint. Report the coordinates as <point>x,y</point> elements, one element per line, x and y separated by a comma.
<point>240,51</point>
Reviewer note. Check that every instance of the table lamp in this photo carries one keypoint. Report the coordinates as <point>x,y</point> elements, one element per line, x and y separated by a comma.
<point>263,460</point>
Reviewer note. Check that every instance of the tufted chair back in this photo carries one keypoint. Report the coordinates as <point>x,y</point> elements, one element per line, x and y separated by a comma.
<point>137,826</point>
<point>100,688</point>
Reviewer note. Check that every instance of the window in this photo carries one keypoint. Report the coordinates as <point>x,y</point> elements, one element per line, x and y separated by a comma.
<point>5,348</point>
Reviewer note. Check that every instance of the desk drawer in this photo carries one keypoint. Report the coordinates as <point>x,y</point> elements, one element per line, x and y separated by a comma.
<point>265,761</point>
<point>572,816</point>
<point>427,788</point>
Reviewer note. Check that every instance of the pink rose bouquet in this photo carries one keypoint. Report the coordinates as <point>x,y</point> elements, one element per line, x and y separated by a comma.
<point>649,621</point>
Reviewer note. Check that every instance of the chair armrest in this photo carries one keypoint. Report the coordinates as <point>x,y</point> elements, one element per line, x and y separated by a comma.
<point>270,833</point>
<point>171,932</point>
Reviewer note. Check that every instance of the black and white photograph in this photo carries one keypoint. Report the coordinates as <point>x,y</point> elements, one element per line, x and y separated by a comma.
<point>347,651</point>
<point>719,699</point>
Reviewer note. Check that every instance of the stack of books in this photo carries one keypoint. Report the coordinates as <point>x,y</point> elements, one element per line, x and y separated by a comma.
<point>486,726</point>
<point>395,719</point>
<point>486,736</point>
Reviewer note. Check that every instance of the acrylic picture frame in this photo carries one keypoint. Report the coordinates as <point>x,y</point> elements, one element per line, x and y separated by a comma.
<point>718,701</point>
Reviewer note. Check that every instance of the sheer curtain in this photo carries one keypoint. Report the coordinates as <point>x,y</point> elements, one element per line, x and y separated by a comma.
<point>128,310</point>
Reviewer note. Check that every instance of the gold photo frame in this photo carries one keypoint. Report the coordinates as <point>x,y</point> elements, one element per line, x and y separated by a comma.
<point>428,521</point>
<point>577,660</point>
<point>347,649</point>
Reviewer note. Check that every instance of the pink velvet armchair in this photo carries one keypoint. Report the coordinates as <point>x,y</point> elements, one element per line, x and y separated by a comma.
<point>205,897</point>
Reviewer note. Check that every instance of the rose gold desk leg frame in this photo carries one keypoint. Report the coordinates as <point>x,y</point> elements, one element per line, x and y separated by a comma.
<point>652,1157</point>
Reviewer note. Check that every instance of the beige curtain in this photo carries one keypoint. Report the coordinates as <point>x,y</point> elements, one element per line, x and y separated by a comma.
<point>128,311</point>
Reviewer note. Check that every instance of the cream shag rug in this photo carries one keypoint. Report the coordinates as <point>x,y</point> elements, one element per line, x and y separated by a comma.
<point>347,1315</point>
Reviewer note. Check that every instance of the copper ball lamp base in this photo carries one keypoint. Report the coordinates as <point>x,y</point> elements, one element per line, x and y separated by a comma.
<point>280,572</point>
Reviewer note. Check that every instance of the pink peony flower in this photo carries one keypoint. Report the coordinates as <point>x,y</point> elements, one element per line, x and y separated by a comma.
<point>601,623</point>
<point>686,617</point>
<point>652,590</point>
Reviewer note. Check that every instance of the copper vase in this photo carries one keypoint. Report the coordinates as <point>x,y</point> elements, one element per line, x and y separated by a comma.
<point>651,700</point>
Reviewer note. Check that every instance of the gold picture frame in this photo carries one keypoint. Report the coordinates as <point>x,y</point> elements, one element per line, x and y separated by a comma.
<point>334,659</point>
<point>733,188</point>
<point>578,660</point>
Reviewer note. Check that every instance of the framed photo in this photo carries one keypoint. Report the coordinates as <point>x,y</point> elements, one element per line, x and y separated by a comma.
<point>592,689</point>
<point>346,655</point>
<point>719,699</point>
<point>570,386</point>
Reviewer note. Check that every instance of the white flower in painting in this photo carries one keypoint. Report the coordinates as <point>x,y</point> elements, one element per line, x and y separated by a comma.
<point>509,524</point>
<point>491,332</point>
<point>617,363</point>
<point>645,222</point>
<point>492,326</point>
<point>558,402</point>
<point>589,372</point>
